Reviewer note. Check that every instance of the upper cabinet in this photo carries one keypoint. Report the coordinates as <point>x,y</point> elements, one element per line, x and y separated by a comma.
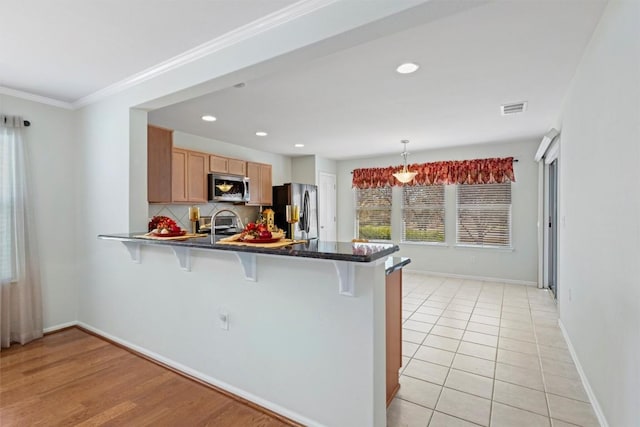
<point>159,146</point>
<point>227,165</point>
<point>197,171</point>
<point>177,175</point>
<point>260,183</point>
<point>189,176</point>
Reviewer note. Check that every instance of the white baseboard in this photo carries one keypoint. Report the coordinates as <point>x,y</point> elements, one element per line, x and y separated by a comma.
<point>60,326</point>
<point>585,382</point>
<point>468,277</point>
<point>207,379</point>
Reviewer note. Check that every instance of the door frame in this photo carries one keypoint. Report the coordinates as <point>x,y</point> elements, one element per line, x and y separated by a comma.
<point>552,155</point>
<point>551,227</point>
<point>334,197</point>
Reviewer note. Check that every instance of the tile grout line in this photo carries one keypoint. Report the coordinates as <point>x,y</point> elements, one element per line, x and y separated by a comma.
<point>451,297</point>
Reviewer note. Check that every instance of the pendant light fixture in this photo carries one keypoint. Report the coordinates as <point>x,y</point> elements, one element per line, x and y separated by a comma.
<point>405,176</point>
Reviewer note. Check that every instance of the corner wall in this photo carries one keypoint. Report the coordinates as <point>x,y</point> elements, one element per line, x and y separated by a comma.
<point>518,265</point>
<point>599,273</point>
<point>140,304</point>
<point>51,151</point>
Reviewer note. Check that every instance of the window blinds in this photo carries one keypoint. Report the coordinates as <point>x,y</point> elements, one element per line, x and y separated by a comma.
<point>423,213</point>
<point>484,214</point>
<point>373,213</point>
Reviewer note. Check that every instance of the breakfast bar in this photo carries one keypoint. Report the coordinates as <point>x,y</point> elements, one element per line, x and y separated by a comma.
<point>288,327</point>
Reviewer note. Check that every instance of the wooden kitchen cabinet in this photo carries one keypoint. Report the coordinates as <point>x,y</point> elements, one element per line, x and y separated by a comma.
<point>394,332</point>
<point>227,165</point>
<point>159,156</point>
<point>197,177</point>
<point>189,176</point>
<point>260,183</point>
<point>179,175</point>
<point>237,167</point>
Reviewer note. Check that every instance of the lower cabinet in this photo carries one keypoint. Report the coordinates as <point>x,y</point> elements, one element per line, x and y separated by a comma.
<point>394,332</point>
<point>189,176</point>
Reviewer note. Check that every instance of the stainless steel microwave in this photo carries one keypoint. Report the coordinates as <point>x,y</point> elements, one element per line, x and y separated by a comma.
<point>228,188</point>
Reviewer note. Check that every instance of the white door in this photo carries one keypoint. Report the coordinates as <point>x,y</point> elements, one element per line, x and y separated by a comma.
<point>327,206</point>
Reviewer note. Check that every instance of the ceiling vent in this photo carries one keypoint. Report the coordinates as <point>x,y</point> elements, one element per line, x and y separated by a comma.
<point>515,108</point>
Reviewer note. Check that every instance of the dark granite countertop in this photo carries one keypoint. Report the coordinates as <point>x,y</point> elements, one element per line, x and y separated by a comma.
<point>339,251</point>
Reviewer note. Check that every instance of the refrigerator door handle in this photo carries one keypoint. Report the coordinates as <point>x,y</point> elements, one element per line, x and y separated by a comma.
<point>305,212</point>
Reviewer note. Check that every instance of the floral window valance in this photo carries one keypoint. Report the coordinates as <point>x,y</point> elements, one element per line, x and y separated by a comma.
<point>478,171</point>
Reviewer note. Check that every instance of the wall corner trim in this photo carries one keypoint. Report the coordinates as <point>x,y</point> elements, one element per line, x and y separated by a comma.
<point>585,382</point>
<point>473,277</point>
<point>59,327</point>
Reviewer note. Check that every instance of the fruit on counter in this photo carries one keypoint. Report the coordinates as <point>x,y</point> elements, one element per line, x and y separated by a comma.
<point>255,231</point>
<point>163,225</point>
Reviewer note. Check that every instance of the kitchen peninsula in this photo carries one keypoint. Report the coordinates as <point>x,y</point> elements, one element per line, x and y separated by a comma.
<point>298,330</point>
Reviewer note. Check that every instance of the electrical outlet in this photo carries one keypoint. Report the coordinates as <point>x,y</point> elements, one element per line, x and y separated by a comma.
<point>569,294</point>
<point>224,320</point>
<point>473,259</point>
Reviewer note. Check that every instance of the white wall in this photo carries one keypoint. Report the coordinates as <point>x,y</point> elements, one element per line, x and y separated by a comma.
<point>326,165</point>
<point>599,271</point>
<point>144,306</point>
<point>303,170</point>
<point>50,146</point>
<point>517,265</point>
<point>306,169</point>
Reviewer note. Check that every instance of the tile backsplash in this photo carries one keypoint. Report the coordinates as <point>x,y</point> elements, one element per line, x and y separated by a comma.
<point>180,213</point>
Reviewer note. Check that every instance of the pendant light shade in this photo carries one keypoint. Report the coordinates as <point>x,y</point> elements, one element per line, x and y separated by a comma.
<point>405,176</point>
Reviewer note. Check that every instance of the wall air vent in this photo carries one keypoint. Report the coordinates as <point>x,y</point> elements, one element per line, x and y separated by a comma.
<point>515,108</point>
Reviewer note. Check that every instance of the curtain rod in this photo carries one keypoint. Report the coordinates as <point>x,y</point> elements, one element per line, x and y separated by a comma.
<point>27,123</point>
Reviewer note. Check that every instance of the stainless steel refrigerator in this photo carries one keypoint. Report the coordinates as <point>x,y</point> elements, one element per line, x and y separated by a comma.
<point>306,197</point>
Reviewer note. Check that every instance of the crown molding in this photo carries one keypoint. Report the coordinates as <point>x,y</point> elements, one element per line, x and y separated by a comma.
<point>226,40</point>
<point>36,98</point>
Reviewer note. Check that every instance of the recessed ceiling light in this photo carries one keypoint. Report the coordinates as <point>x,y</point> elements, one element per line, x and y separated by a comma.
<point>299,145</point>
<point>260,133</point>
<point>407,68</point>
<point>209,118</point>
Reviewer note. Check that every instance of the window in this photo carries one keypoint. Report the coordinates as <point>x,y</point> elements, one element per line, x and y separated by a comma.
<point>484,215</point>
<point>423,213</point>
<point>373,213</point>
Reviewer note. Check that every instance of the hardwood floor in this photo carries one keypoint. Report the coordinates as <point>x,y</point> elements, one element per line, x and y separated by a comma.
<point>74,378</point>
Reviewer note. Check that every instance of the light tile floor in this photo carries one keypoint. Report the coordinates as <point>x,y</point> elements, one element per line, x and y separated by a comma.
<point>484,353</point>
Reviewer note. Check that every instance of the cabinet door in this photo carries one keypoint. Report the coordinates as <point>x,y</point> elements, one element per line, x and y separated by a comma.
<point>159,146</point>
<point>179,175</point>
<point>218,164</point>
<point>197,177</point>
<point>253,173</point>
<point>393,311</point>
<point>237,167</point>
<point>266,192</point>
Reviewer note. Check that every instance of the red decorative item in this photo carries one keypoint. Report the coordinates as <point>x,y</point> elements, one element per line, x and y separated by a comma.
<point>160,223</point>
<point>179,233</point>
<point>271,240</point>
<point>478,171</point>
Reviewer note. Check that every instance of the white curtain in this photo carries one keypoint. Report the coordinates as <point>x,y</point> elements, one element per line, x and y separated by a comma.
<point>20,295</point>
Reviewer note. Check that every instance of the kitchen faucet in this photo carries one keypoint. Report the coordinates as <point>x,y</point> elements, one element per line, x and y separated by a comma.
<point>213,222</point>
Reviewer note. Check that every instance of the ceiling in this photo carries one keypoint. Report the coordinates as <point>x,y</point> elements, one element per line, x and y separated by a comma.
<point>352,103</point>
<point>69,49</point>
<point>348,104</point>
